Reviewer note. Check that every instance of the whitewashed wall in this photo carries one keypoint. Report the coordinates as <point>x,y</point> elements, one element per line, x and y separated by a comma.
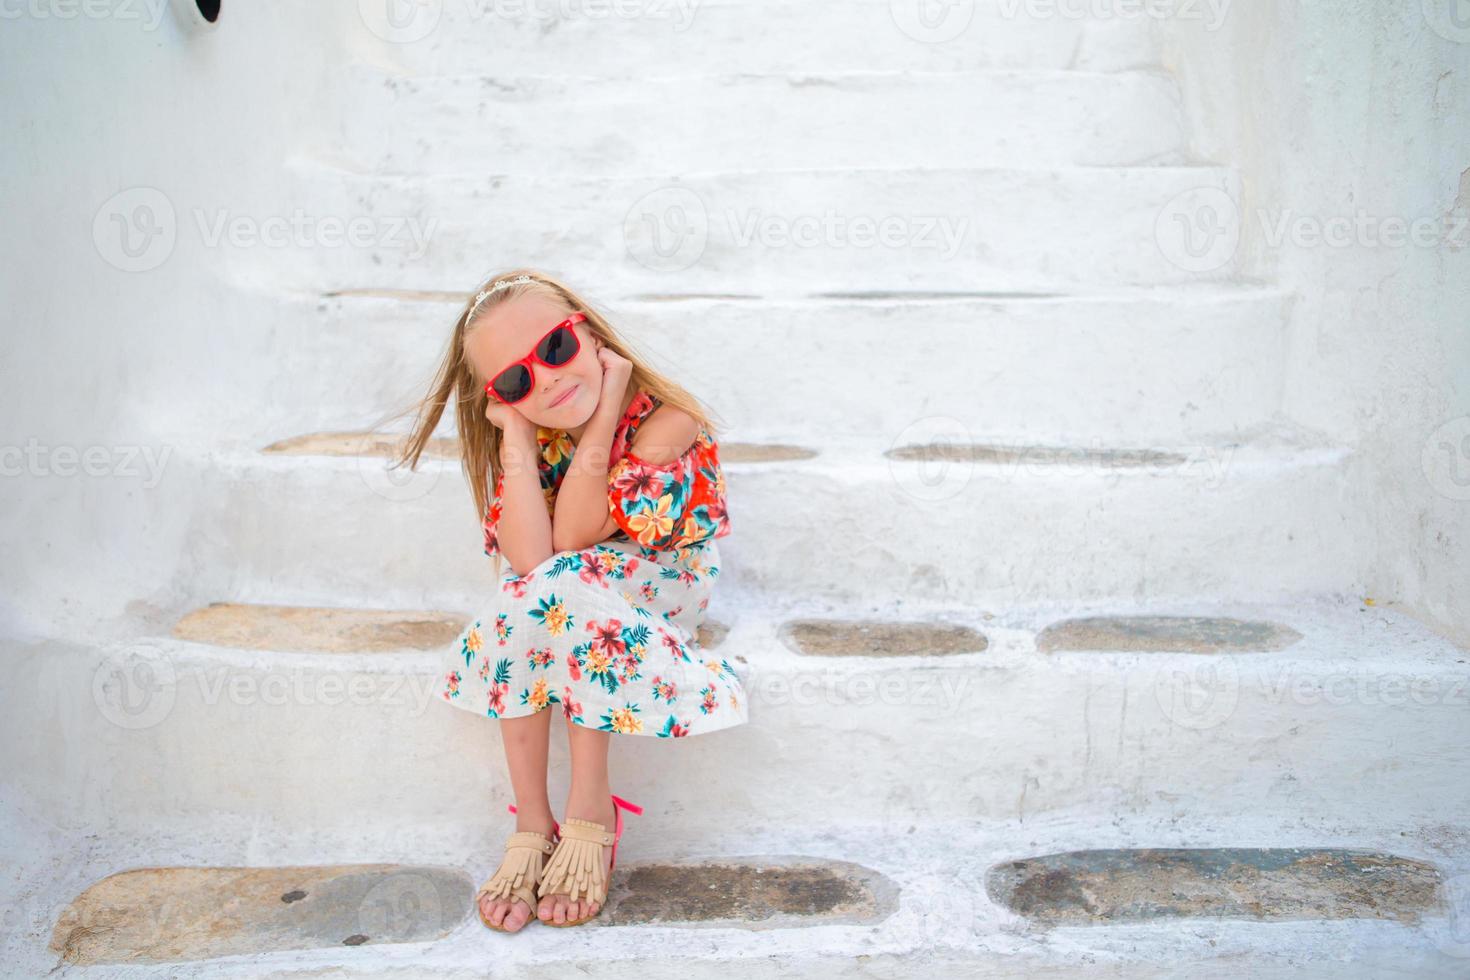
<point>1332,110</point>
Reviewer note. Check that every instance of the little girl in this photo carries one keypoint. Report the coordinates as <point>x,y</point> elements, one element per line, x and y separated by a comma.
<point>608,498</point>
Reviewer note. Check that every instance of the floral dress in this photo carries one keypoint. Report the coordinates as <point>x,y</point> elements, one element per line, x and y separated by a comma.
<point>609,632</point>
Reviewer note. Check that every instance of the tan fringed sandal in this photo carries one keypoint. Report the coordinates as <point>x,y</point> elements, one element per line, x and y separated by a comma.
<point>575,868</point>
<point>519,871</point>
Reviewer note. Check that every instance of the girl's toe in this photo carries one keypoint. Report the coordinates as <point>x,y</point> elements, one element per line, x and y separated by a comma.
<point>518,916</point>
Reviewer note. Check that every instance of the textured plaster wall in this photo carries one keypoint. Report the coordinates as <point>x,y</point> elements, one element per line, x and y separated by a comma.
<point>104,359</point>
<point>1360,111</point>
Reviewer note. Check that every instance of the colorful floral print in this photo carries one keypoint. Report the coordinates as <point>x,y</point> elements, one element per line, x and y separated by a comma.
<point>609,633</point>
<point>658,505</point>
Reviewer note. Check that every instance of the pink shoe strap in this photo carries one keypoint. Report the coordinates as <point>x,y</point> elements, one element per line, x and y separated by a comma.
<point>630,807</point>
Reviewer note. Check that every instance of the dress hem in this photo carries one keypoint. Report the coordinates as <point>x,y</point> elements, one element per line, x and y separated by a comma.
<point>718,724</point>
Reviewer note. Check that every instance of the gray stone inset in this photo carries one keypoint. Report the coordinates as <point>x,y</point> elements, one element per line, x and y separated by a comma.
<point>753,892</point>
<point>319,630</point>
<point>711,634</point>
<point>1101,886</point>
<point>875,638</point>
<point>379,444</point>
<point>171,915</point>
<point>1037,455</point>
<point>1166,634</point>
<point>762,452</point>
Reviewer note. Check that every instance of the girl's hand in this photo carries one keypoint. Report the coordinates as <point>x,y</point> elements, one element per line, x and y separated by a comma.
<point>616,370</point>
<point>506,418</point>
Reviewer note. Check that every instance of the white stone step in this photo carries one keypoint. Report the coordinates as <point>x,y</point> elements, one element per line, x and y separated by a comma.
<point>479,125</point>
<point>783,234</point>
<point>761,37</point>
<point>870,902</point>
<point>148,732</point>
<point>1165,366</point>
<point>1007,524</point>
<point>840,903</point>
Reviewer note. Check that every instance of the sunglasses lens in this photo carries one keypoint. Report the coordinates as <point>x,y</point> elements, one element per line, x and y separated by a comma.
<point>560,346</point>
<point>512,384</point>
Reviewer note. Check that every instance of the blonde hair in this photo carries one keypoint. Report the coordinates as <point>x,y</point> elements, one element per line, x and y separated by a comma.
<point>479,439</point>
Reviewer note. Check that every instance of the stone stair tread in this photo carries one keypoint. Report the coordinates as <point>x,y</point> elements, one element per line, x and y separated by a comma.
<point>1139,901</point>
<point>1321,633</point>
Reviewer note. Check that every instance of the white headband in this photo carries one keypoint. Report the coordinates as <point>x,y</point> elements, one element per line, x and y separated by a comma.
<point>497,287</point>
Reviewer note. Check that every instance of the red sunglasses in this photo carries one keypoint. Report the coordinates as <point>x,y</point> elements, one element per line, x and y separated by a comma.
<point>557,347</point>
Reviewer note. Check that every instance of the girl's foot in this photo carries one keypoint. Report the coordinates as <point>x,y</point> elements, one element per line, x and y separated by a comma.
<point>510,913</point>
<point>558,908</point>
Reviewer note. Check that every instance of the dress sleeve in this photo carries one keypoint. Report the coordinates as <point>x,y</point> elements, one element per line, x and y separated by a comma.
<point>670,505</point>
<point>492,520</point>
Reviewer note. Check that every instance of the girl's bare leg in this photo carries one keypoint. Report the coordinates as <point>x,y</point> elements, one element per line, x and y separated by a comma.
<point>526,742</point>
<point>590,799</point>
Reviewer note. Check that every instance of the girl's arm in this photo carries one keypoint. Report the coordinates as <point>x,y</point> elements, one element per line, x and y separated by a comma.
<point>524,531</point>
<point>582,517</point>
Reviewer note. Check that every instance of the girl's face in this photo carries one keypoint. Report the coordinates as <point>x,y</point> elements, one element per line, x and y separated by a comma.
<point>510,331</point>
